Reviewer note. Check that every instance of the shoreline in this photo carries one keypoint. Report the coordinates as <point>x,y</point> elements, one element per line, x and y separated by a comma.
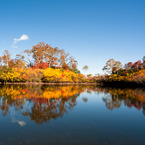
<point>121,84</point>
<point>42,83</point>
<point>99,84</point>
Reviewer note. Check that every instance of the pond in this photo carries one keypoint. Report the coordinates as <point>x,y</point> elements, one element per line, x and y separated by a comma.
<point>71,115</point>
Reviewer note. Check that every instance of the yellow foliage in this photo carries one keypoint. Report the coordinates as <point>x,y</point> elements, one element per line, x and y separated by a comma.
<point>37,75</point>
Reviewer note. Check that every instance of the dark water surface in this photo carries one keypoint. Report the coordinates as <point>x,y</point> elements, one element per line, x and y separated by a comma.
<point>71,115</point>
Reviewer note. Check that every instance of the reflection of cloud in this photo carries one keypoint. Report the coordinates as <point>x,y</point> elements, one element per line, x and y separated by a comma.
<point>16,40</point>
<point>21,123</point>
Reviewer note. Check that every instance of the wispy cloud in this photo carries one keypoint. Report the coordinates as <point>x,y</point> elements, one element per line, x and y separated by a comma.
<point>22,38</point>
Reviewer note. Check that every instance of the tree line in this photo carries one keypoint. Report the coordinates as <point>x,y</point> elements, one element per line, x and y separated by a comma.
<point>40,56</point>
<point>131,73</point>
<point>115,67</point>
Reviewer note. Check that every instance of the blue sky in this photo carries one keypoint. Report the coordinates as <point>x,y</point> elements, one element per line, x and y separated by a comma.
<point>93,31</point>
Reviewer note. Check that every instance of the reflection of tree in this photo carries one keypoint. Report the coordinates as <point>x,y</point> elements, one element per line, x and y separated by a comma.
<point>144,108</point>
<point>133,103</point>
<point>54,108</point>
<point>112,102</point>
<point>43,103</point>
<point>131,98</point>
<point>40,103</point>
<point>85,99</point>
<point>4,107</point>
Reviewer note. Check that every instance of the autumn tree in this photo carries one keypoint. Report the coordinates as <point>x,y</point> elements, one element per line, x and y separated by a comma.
<point>0,60</point>
<point>144,61</point>
<point>85,68</point>
<point>28,58</point>
<point>19,63</point>
<point>41,65</point>
<point>89,75</point>
<point>137,65</point>
<point>72,63</point>
<point>11,63</point>
<point>128,65</point>
<point>38,51</point>
<point>54,56</point>
<point>45,53</point>
<point>41,56</point>
<point>6,58</point>
<point>112,66</point>
<point>51,55</point>
<point>63,60</point>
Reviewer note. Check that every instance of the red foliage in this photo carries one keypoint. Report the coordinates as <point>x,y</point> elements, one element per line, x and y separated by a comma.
<point>12,63</point>
<point>137,64</point>
<point>41,65</point>
<point>128,65</point>
<point>62,75</point>
<point>65,66</point>
<point>57,67</point>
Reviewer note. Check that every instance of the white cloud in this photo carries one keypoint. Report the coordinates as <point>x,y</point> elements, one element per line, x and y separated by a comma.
<point>16,40</point>
<point>23,37</point>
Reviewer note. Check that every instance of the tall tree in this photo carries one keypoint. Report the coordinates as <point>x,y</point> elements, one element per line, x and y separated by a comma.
<point>128,65</point>
<point>51,55</point>
<point>45,53</point>
<point>6,58</point>
<point>28,58</point>
<point>63,60</point>
<point>144,61</point>
<point>72,63</point>
<point>0,60</point>
<point>38,51</point>
<point>112,66</point>
<point>137,65</point>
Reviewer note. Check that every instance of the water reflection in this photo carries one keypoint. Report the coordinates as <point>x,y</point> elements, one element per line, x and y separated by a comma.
<point>43,103</point>
<point>23,110</point>
<point>115,97</point>
<point>40,103</point>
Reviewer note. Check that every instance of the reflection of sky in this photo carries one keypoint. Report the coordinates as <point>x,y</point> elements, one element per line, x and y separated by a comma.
<point>87,123</point>
<point>14,120</point>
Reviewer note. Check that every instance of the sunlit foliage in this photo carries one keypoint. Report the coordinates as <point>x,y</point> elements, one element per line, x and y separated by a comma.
<point>131,73</point>
<point>43,63</point>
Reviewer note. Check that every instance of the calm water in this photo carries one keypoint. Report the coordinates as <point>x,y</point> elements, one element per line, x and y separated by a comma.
<point>71,115</point>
